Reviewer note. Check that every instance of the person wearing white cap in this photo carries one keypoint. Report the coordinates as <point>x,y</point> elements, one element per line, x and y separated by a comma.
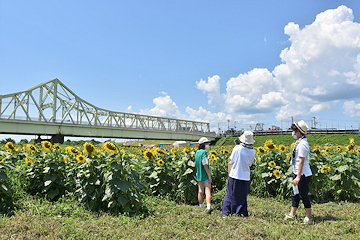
<point>203,174</point>
<point>300,158</point>
<point>238,186</point>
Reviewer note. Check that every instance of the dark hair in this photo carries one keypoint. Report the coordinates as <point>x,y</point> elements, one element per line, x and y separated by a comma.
<point>201,146</point>
<point>295,128</point>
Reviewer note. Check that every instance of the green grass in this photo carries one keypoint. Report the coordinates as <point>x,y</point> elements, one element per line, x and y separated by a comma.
<point>287,140</point>
<point>67,219</point>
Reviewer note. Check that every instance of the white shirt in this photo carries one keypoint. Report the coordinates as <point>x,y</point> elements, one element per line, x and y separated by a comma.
<point>302,150</point>
<point>242,158</point>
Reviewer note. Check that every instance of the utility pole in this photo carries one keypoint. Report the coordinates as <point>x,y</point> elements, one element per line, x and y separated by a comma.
<point>292,120</point>
<point>235,125</point>
<point>228,124</point>
<point>314,123</point>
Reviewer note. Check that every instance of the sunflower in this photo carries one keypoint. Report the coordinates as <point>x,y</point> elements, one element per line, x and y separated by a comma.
<point>57,146</point>
<point>292,145</point>
<point>32,148</point>
<point>282,148</point>
<point>325,169</point>
<point>2,160</point>
<point>350,147</point>
<point>317,151</point>
<point>160,163</point>
<point>148,154</point>
<point>338,148</point>
<point>352,141</point>
<point>213,153</point>
<point>358,150</point>
<point>65,159</point>
<point>272,164</point>
<point>160,151</point>
<point>173,152</point>
<point>186,151</point>
<point>89,148</point>
<point>327,152</point>
<point>224,151</point>
<point>213,160</point>
<point>110,147</point>
<point>277,173</point>
<point>10,146</point>
<point>29,160</point>
<point>260,150</point>
<point>73,151</point>
<point>270,145</point>
<point>46,145</point>
<point>80,158</point>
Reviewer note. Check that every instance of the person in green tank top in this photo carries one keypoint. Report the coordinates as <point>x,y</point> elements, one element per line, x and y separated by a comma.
<point>203,174</point>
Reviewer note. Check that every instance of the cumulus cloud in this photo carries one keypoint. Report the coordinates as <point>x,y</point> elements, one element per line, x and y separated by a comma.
<point>164,107</point>
<point>322,63</point>
<point>204,115</point>
<point>212,87</point>
<point>321,66</point>
<point>351,109</point>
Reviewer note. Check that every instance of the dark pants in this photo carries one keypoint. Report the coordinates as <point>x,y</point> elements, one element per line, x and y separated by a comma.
<point>303,192</point>
<point>235,201</point>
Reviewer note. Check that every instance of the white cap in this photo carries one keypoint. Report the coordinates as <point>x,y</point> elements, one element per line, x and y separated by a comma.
<point>247,137</point>
<point>203,140</point>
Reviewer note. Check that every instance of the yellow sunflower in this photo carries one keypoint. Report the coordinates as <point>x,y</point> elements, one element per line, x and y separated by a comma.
<point>260,150</point>
<point>110,147</point>
<point>10,146</point>
<point>160,163</point>
<point>282,148</point>
<point>277,173</point>
<point>160,151</point>
<point>29,160</point>
<point>213,153</point>
<point>32,148</point>
<point>272,164</point>
<point>89,148</point>
<point>338,148</point>
<point>350,147</point>
<point>80,158</point>
<point>270,145</point>
<point>186,151</point>
<point>46,145</point>
<point>148,154</point>
<point>213,160</point>
<point>317,151</point>
<point>57,146</point>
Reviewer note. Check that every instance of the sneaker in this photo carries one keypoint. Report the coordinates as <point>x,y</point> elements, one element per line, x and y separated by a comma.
<point>223,216</point>
<point>208,211</point>
<point>289,218</point>
<point>308,221</point>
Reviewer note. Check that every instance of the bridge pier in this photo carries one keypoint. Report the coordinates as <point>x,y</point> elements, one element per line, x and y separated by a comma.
<point>57,138</point>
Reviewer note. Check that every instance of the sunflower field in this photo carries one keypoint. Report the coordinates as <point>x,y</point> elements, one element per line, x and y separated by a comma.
<point>114,178</point>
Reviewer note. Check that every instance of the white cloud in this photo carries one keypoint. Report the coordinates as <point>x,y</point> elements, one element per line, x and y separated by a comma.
<point>205,115</point>
<point>322,64</point>
<point>212,87</point>
<point>164,107</point>
<point>271,100</point>
<point>129,108</point>
<point>351,109</point>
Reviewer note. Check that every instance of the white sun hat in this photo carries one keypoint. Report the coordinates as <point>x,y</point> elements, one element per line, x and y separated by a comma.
<point>247,137</point>
<point>203,140</point>
<point>302,126</point>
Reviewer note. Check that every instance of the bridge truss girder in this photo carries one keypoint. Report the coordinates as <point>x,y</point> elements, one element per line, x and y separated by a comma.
<point>53,102</point>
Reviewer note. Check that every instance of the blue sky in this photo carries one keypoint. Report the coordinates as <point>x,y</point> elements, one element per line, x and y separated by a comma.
<point>261,61</point>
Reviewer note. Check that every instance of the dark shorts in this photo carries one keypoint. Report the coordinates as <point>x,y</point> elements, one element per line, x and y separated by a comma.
<point>303,192</point>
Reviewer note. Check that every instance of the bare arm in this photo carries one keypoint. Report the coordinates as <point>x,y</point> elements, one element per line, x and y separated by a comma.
<point>230,167</point>
<point>301,166</point>
<point>208,173</point>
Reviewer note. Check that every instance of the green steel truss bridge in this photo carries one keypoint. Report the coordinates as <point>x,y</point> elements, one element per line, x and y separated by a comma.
<point>52,109</point>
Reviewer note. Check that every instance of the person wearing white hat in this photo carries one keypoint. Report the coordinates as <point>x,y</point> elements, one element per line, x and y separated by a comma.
<point>238,186</point>
<point>300,158</point>
<point>203,174</point>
